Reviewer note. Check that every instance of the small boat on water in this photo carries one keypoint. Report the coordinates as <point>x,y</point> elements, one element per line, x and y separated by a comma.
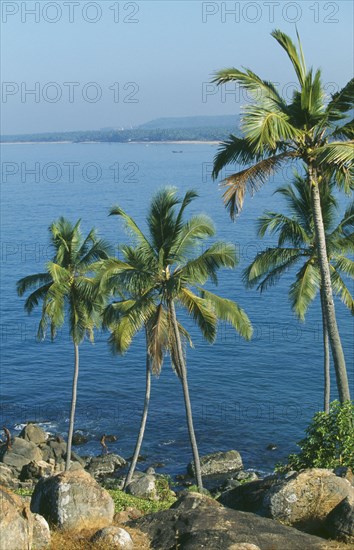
<point>177,151</point>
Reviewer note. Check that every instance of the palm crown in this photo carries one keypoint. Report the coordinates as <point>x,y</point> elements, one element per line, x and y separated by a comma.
<point>66,284</point>
<point>162,267</point>
<point>296,243</point>
<point>275,131</point>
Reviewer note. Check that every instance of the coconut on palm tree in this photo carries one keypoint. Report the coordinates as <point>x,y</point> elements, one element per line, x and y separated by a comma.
<point>297,245</point>
<point>171,273</point>
<point>66,288</point>
<point>275,131</point>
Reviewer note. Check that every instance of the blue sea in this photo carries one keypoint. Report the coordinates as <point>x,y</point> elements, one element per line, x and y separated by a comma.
<point>245,395</point>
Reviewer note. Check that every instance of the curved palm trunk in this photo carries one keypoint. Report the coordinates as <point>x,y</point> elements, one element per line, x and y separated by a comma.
<point>329,310</point>
<point>187,403</point>
<point>326,365</point>
<point>73,407</point>
<point>142,424</point>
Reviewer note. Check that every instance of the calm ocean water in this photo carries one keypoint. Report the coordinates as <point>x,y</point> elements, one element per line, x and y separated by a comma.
<point>244,395</point>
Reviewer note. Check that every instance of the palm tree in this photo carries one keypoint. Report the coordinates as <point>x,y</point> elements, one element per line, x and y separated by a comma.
<point>275,132</point>
<point>297,244</point>
<point>156,333</point>
<point>67,288</point>
<point>168,271</point>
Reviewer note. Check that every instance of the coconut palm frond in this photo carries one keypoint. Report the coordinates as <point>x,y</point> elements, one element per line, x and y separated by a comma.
<point>341,289</point>
<point>203,315</point>
<point>268,266</point>
<point>158,338</point>
<point>32,281</point>
<point>204,267</point>
<point>341,102</point>
<point>230,312</point>
<point>251,179</point>
<point>305,288</point>
<point>296,59</point>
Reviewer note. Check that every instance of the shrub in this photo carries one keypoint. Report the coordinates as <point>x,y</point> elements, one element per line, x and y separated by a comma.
<point>329,441</point>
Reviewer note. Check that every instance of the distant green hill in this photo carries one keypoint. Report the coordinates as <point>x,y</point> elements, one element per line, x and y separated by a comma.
<point>221,121</point>
<point>213,128</point>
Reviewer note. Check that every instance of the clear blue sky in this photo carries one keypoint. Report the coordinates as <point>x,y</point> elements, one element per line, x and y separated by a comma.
<point>160,54</point>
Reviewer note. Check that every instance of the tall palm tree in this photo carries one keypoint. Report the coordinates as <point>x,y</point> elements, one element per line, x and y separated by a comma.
<point>297,244</point>
<point>307,128</point>
<point>111,278</point>
<point>66,288</point>
<point>168,272</point>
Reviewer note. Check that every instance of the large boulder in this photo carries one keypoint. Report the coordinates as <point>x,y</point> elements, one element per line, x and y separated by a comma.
<point>340,522</point>
<point>8,476</point>
<point>305,499</point>
<point>104,465</point>
<point>19,528</point>
<point>210,526</point>
<point>20,453</point>
<point>73,500</point>
<point>218,463</point>
<point>114,537</point>
<point>41,532</point>
<point>301,499</point>
<point>34,434</point>
<point>143,486</point>
<point>16,522</point>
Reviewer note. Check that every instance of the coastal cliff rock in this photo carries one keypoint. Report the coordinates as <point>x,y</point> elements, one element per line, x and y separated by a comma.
<point>104,465</point>
<point>19,528</point>
<point>34,434</point>
<point>302,500</point>
<point>340,521</point>
<point>74,501</point>
<point>209,526</point>
<point>20,453</point>
<point>218,463</point>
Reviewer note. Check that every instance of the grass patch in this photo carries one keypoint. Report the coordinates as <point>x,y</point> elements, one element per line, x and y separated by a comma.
<point>24,492</point>
<point>146,506</point>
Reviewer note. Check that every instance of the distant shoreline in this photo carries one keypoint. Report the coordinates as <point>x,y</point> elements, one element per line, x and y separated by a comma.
<point>183,142</point>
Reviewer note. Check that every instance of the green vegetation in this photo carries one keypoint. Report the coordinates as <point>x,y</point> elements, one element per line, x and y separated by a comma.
<point>329,441</point>
<point>147,506</point>
<point>308,129</point>
<point>67,289</point>
<point>297,244</point>
<point>162,270</point>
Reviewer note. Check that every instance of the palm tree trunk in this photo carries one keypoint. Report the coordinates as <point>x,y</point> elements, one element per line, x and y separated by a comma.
<point>187,403</point>
<point>326,285</point>
<point>73,407</point>
<point>142,424</point>
<point>326,365</point>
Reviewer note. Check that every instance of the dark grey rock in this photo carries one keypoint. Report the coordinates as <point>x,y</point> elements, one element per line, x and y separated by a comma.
<point>104,465</point>
<point>21,452</point>
<point>216,527</point>
<point>218,463</point>
<point>339,523</point>
<point>79,438</point>
<point>33,433</point>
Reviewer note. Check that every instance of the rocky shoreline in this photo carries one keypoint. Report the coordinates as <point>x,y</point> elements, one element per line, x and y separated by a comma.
<point>306,507</point>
